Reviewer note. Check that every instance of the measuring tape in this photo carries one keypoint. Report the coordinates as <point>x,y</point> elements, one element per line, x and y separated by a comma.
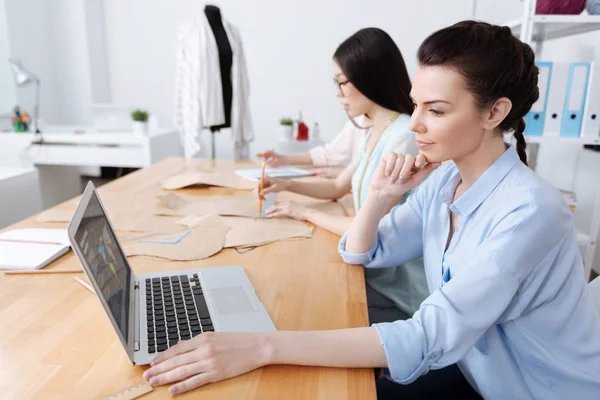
<point>132,392</point>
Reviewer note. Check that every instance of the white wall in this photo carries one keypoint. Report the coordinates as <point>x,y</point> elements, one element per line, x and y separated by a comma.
<point>72,61</point>
<point>31,39</point>
<point>288,46</point>
<point>51,39</point>
<point>7,87</point>
<point>98,56</point>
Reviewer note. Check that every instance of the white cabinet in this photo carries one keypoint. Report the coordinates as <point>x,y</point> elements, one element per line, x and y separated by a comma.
<point>13,147</point>
<point>19,194</point>
<point>61,155</point>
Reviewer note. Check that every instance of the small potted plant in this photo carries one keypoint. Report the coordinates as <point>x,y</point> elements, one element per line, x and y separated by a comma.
<point>286,131</point>
<point>140,122</point>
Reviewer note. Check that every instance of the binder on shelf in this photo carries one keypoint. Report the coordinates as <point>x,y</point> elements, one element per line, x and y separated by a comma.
<point>575,100</point>
<point>557,93</point>
<point>590,126</point>
<point>534,120</point>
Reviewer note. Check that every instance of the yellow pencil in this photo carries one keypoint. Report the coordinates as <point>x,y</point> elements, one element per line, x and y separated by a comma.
<point>43,271</point>
<point>84,284</point>
<point>260,187</point>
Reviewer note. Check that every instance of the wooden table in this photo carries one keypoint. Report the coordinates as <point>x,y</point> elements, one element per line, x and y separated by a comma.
<point>57,343</point>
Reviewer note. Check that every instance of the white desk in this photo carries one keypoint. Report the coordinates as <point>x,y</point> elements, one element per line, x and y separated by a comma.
<point>119,149</point>
<point>104,149</point>
<point>63,152</point>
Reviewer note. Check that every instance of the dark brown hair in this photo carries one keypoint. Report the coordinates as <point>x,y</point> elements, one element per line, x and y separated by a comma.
<point>373,63</point>
<point>493,63</point>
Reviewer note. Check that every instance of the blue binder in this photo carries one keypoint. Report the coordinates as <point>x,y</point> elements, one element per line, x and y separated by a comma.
<point>534,120</point>
<point>579,75</point>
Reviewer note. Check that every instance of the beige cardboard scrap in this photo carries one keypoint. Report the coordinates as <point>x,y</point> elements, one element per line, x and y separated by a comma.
<point>227,179</point>
<point>190,221</point>
<point>206,238</point>
<point>239,206</point>
<point>235,206</point>
<point>112,202</point>
<point>256,232</point>
<point>137,216</point>
<point>327,206</point>
<point>247,232</point>
<point>135,222</point>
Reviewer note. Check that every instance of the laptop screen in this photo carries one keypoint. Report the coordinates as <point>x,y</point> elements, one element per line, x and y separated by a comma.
<point>109,268</point>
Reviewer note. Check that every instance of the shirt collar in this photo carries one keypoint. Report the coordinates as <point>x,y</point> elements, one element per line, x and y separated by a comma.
<point>482,188</point>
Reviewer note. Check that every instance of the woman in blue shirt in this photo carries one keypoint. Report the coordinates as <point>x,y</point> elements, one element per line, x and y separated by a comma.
<point>508,299</point>
<point>373,85</point>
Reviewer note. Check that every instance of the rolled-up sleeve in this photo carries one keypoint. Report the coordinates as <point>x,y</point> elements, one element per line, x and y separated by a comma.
<point>355,258</point>
<point>455,317</point>
<point>399,238</point>
<point>448,324</point>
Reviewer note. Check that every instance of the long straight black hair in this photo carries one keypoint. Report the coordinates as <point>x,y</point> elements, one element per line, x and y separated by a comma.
<point>373,63</point>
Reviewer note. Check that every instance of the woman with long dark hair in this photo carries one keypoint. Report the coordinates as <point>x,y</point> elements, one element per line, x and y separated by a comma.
<point>373,86</point>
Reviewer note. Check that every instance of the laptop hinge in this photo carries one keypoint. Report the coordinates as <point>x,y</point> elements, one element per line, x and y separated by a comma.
<point>136,338</point>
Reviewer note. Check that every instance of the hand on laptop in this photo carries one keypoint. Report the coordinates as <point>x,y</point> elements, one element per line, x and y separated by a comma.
<point>209,357</point>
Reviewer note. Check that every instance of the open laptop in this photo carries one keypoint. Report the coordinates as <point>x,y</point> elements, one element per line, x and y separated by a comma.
<point>152,312</point>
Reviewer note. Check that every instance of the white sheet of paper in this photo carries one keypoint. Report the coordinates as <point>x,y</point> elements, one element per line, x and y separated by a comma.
<point>28,256</point>
<point>253,174</point>
<point>37,235</point>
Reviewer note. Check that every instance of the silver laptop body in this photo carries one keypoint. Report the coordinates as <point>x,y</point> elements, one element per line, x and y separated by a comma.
<point>152,312</point>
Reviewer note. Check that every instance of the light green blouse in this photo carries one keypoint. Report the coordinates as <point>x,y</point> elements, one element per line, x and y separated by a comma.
<point>405,285</point>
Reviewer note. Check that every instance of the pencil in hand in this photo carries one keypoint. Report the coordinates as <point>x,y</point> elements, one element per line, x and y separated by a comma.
<point>260,188</point>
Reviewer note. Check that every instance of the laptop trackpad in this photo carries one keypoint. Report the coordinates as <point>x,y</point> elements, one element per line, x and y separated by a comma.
<point>231,300</point>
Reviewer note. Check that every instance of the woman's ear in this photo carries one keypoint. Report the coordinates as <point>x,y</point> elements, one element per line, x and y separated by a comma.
<point>496,113</point>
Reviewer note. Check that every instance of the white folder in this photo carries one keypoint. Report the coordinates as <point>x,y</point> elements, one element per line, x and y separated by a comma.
<point>556,98</point>
<point>590,127</point>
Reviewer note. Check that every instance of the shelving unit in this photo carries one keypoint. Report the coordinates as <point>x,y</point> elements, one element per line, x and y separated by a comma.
<point>566,140</point>
<point>548,27</point>
<point>534,30</point>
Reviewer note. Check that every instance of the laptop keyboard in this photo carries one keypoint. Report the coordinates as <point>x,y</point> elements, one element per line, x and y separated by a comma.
<point>176,310</point>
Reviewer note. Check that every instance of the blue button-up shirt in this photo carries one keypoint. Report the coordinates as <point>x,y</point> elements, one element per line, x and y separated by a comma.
<point>508,298</point>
